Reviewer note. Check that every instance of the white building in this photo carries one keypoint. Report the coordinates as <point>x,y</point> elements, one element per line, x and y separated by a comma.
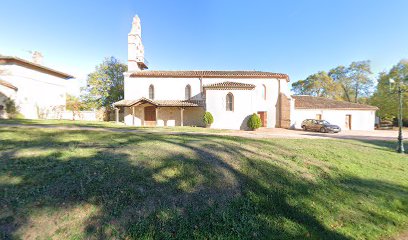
<point>180,98</point>
<point>36,90</point>
<point>347,115</point>
<point>177,98</point>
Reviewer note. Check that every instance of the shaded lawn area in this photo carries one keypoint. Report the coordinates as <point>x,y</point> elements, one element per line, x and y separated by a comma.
<point>102,124</point>
<point>90,184</point>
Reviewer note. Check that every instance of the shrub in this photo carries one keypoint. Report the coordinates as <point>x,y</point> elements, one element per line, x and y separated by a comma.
<point>12,109</point>
<point>208,118</point>
<point>254,122</point>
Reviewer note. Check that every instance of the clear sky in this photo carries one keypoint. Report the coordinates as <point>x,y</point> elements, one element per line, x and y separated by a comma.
<point>297,37</point>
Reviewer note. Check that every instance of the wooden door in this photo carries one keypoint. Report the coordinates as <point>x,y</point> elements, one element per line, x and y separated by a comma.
<point>263,117</point>
<point>348,121</point>
<point>150,113</point>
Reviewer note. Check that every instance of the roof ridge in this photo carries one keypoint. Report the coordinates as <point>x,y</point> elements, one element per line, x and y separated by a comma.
<point>36,65</point>
<point>327,103</point>
<point>208,74</point>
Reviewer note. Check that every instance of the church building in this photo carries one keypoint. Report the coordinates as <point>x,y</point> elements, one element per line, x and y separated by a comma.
<point>180,98</point>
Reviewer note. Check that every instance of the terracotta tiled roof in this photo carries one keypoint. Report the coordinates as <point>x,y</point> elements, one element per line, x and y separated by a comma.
<point>230,85</point>
<point>180,103</point>
<point>7,84</point>
<point>310,102</point>
<point>160,103</point>
<point>34,66</point>
<point>128,103</point>
<point>209,74</point>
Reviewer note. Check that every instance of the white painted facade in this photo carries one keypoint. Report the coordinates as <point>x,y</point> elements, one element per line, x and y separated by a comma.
<point>246,102</point>
<point>38,92</point>
<point>261,98</point>
<point>267,96</point>
<point>360,119</point>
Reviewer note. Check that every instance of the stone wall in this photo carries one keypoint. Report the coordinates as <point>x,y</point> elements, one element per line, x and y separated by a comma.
<point>284,111</point>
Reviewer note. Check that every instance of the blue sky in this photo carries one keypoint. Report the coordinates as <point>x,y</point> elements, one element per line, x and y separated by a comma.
<point>297,37</point>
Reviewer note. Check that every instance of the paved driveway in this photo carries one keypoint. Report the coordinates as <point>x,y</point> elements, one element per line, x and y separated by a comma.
<point>300,134</point>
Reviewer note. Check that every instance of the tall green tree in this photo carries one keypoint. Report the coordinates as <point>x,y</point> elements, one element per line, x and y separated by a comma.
<point>352,83</point>
<point>359,73</point>
<point>383,98</point>
<point>319,85</point>
<point>340,77</point>
<point>105,84</point>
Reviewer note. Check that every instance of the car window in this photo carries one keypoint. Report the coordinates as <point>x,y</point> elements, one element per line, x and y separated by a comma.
<point>324,122</point>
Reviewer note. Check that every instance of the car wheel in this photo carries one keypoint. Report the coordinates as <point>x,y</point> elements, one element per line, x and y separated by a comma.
<point>322,130</point>
<point>304,128</point>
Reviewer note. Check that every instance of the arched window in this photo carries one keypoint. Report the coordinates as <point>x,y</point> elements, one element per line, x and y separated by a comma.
<point>151,92</point>
<point>263,92</point>
<point>230,102</point>
<point>188,92</point>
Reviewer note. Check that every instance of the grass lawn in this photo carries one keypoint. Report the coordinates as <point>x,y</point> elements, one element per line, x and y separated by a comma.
<point>101,124</point>
<point>93,184</point>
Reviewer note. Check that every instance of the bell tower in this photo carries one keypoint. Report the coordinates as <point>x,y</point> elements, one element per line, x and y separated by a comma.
<point>136,60</point>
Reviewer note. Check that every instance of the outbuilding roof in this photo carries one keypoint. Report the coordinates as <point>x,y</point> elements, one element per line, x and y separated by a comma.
<point>230,85</point>
<point>209,74</point>
<point>160,103</point>
<point>7,84</point>
<point>310,102</point>
<point>21,62</point>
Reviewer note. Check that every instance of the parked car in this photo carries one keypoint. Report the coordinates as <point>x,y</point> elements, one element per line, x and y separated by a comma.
<point>319,126</point>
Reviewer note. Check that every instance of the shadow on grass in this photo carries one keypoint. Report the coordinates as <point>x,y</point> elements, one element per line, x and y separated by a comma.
<point>208,189</point>
<point>389,143</point>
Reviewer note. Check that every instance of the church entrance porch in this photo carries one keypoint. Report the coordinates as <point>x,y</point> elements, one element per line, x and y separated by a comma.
<point>149,116</point>
<point>147,112</point>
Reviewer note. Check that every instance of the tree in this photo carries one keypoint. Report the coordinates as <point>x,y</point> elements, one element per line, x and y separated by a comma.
<point>105,84</point>
<point>319,85</point>
<point>352,83</point>
<point>383,99</point>
<point>74,104</point>
<point>340,76</point>
<point>360,80</point>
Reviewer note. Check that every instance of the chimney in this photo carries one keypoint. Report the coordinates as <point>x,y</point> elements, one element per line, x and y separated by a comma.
<point>136,60</point>
<point>37,58</point>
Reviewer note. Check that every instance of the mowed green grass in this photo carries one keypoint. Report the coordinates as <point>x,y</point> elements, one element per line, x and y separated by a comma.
<point>92,184</point>
<point>110,125</point>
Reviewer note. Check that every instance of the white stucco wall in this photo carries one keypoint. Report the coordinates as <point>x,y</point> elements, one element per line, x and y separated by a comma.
<point>37,91</point>
<point>164,88</point>
<point>246,101</point>
<point>360,119</point>
<point>243,107</point>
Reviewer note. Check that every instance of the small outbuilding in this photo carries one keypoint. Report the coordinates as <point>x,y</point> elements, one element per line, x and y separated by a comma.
<point>347,115</point>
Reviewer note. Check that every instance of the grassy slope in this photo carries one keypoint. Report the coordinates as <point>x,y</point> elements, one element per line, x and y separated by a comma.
<point>100,124</point>
<point>79,184</point>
